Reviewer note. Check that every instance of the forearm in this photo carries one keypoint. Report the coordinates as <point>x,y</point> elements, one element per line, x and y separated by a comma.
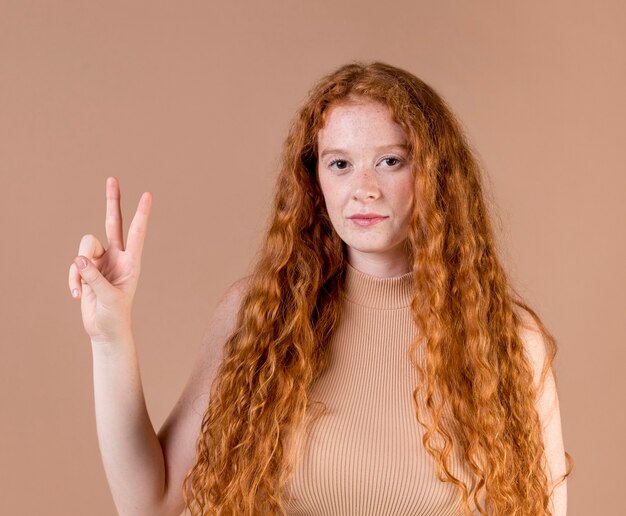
<point>130,449</point>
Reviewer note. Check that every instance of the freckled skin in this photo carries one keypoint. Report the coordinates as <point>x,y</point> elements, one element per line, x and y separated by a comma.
<point>360,176</point>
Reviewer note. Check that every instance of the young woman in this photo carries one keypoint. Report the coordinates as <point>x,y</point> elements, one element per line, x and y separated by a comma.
<point>376,361</point>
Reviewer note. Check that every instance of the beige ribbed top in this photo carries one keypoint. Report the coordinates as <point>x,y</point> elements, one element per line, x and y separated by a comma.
<point>365,455</point>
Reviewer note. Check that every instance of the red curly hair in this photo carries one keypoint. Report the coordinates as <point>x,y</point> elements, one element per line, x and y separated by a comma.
<point>463,302</point>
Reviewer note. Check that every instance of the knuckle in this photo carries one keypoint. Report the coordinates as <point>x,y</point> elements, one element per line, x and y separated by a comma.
<point>88,245</point>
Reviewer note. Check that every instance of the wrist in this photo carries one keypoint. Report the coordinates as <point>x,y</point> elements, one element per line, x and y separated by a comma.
<point>112,346</point>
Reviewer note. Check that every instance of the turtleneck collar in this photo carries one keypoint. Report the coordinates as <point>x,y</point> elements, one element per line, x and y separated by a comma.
<point>377,292</point>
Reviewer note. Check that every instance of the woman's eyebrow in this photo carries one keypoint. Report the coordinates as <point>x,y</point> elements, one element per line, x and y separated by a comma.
<point>381,148</point>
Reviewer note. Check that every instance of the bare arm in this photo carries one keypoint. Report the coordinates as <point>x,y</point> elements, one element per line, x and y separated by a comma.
<point>145,470</point>
<point>181,429</point>
<point>130,450</point>
<point>547,405</point>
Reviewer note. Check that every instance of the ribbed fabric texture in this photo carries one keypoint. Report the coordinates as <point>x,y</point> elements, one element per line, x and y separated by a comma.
<point>365,455</point>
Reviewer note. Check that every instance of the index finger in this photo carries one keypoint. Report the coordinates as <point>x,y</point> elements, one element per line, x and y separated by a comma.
<point>113,220</point>
<point>138,226</point>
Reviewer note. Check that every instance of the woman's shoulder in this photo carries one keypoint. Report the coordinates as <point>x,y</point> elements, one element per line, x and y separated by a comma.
<point>538,343</point>
<point>237,290</point>
<point>231,301</point>
<point>527,320</point>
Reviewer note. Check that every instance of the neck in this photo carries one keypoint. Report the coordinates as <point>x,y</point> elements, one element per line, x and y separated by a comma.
<point>393,263</point>
<point>379,292</point>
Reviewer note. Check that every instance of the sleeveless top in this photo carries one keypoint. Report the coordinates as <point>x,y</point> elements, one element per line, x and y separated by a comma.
<point>365,455</point>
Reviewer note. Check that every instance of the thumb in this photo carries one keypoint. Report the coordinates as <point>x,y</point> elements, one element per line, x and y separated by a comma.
<point>92,276</point>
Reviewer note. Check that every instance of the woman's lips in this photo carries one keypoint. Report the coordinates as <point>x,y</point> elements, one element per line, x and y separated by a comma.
<point>366,221</point>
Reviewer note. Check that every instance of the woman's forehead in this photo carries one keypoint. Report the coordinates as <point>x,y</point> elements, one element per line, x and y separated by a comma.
<point>367,119</point>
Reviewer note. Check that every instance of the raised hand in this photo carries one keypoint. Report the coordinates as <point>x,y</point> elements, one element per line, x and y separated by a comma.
<point>107,283</point>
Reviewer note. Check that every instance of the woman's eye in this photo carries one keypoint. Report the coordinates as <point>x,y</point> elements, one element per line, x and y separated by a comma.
<point>337,162</point>
<point>396,160</point>
<point>341,164</point>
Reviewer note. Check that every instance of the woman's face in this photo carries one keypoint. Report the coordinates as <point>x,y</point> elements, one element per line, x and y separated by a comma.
<point>364,171</point>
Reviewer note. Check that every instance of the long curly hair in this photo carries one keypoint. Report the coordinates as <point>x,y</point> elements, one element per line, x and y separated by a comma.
<point>463,303</point>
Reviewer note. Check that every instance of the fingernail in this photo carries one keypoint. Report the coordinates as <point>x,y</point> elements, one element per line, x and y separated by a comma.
<point>81,263</point>
<point>75,292</point>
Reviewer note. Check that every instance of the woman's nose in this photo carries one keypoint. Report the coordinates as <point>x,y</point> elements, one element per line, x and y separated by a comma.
<point>365,184</point>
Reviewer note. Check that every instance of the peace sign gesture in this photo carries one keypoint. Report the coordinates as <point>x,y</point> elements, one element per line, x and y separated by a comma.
<point>106,279</point>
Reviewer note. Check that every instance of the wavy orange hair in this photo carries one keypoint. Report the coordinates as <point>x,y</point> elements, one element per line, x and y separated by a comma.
<point>463,303</point>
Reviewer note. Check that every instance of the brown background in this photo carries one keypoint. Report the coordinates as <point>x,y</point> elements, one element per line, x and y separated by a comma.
<point>191,101</point>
